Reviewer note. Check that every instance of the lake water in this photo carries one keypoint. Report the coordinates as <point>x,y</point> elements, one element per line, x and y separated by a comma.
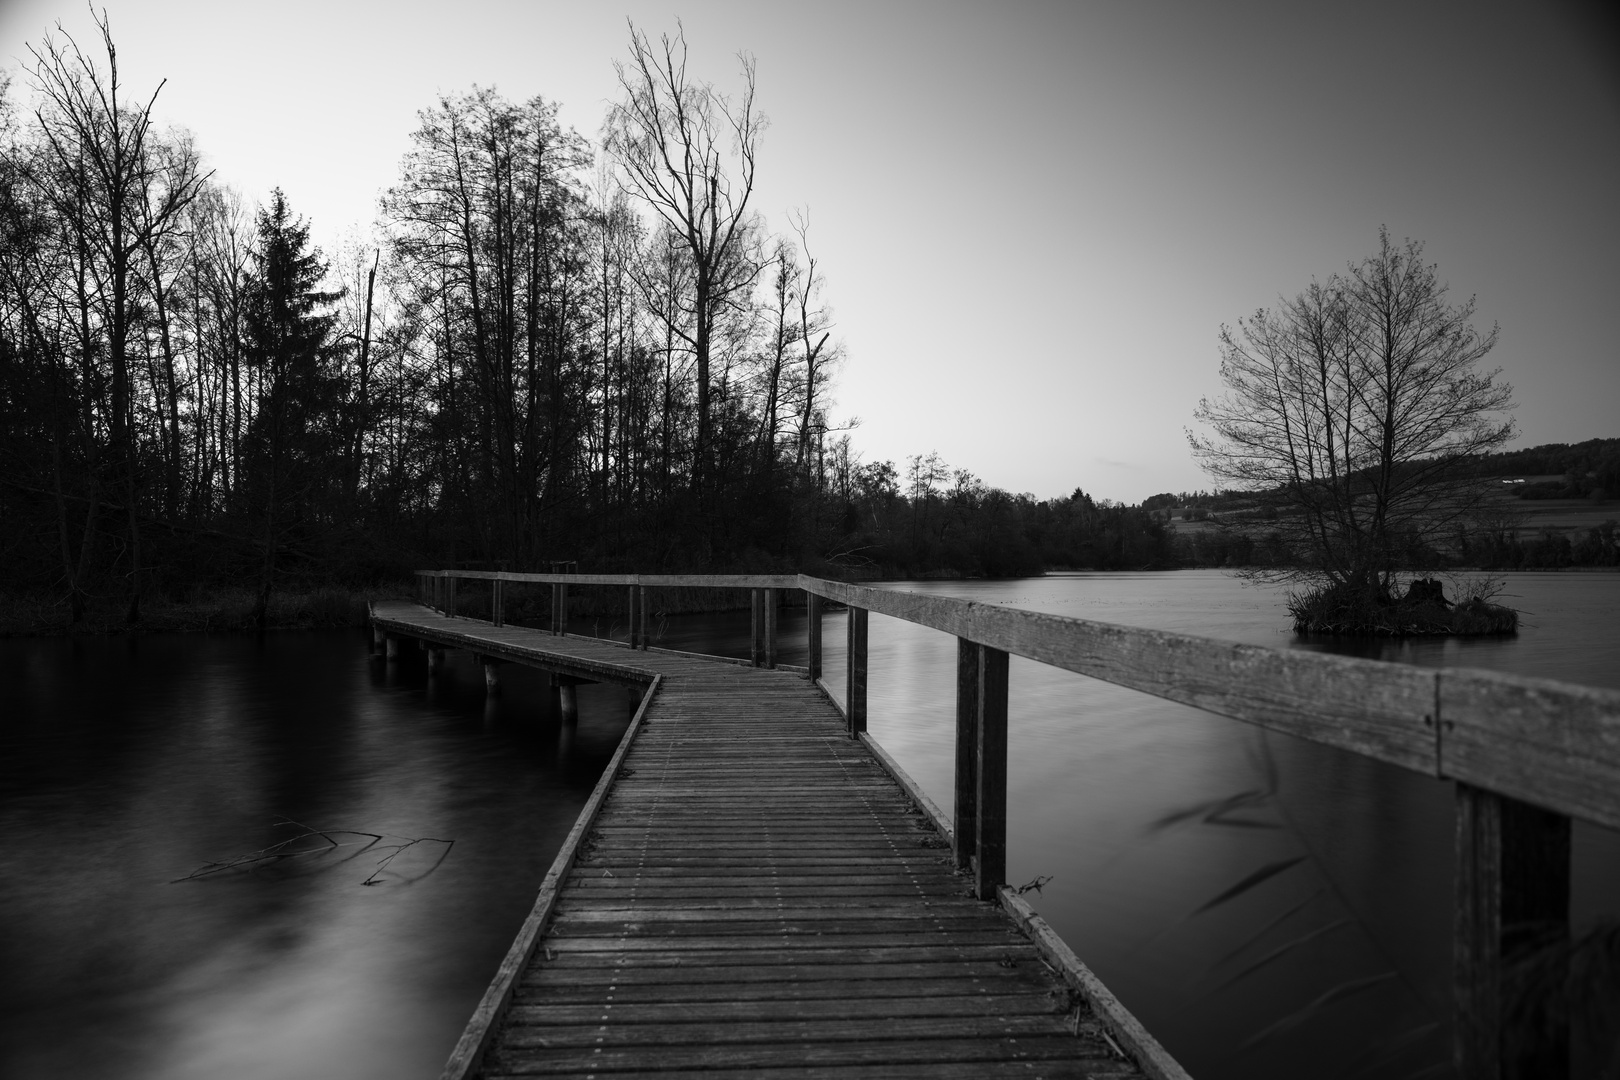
<point>127,763</point>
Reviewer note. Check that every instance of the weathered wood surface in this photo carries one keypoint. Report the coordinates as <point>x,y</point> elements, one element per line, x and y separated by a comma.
<point>756,893</point>
<point>1554,745</point>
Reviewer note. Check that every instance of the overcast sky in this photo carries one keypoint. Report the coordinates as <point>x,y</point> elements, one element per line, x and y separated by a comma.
<point>1033,217</point>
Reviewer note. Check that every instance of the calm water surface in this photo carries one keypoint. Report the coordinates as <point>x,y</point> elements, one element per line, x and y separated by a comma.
<point>1103,782</point>
<point>125,764</point>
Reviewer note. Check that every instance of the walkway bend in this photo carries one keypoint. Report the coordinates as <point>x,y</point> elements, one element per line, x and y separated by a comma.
<point>750,892</point>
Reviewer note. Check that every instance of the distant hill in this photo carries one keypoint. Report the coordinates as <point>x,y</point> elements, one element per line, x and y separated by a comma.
<point>1576,470</point>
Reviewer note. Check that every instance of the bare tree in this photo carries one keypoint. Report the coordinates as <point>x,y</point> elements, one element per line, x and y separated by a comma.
<point>688,152</point>
<point>119,193</point>
<point>1357,405</point>
<point>815,328</point>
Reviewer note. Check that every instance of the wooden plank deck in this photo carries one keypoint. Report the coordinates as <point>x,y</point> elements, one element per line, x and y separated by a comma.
<point>752,893</point>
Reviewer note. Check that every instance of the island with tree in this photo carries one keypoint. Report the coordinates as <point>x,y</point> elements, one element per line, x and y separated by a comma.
<point>1357,412</point>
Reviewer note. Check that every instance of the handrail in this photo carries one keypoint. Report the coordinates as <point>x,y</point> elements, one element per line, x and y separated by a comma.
<point>1528,754</point>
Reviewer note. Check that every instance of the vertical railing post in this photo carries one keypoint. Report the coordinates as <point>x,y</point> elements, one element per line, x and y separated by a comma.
<point>643,610</point>
<point>855,676</point>
<point>1513,864</point>
<point>967,751</point>
<point>770,629</point>
<point>450,596</point>
<point>754,628</point>
<point>556,602</point>
<point>562,609</point>
<point>630,614</point>
<point>990,806</point>
<point>497,603</point>
<point>812,606</point>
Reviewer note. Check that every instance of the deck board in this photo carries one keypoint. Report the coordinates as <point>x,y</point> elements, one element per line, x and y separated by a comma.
<point>757,897</point>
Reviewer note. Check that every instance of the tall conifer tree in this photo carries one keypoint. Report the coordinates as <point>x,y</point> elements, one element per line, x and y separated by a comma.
<point>288,330</point>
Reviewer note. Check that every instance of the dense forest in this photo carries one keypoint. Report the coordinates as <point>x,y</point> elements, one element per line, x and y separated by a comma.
<point>553,350</point>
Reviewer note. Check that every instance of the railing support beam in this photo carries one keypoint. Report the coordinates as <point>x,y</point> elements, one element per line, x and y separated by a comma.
<point>855,675</point>
<point>1513,863</point>
<point>812,604</point>
<point>770,629</point>
<point>755,629</point>
<point>990,807</point>
<point>966,832</point>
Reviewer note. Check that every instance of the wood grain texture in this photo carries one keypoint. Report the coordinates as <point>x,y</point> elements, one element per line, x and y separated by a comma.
<point>754,891</point>
<point>1376,709</point>
<point>1542,742</point>
<point>965,831</point>
<point>990,774</point>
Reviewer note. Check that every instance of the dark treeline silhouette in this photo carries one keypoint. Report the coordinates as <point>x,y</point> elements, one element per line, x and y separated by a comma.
<point>553,351</point>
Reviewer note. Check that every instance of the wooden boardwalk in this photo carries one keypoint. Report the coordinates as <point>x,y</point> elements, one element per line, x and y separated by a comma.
<point>751,892</point>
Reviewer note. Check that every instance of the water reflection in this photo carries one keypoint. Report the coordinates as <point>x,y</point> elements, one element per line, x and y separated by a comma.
<point>1149,818</point>
<point>126,764</point>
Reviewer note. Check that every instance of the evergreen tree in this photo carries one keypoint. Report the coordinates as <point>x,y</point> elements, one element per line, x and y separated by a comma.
<point>289,348</point>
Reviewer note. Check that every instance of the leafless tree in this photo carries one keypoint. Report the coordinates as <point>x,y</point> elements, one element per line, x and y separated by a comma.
<point>120,191</point>
<point>689,153</point>
<point>1358,406</point>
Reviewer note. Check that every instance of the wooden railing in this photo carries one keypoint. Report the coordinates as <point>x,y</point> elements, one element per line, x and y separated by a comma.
<point>1527,754</point>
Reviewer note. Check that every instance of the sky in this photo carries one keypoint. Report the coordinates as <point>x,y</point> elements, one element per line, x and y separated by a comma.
<point>1034,217</point>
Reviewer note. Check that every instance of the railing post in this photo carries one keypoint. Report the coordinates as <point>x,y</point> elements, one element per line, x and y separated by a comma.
<point>855,676</point>
<point>812,606</point>
<point>450,596</point>
<point>770,629</point>
<point>1513,863</point>
<point>643,612</point>
<point>990,818</point>
<point>562,609</point>
<point>630,614</point>
<point>967,751</point>
<point>497,602</point>
<point>753,628</point>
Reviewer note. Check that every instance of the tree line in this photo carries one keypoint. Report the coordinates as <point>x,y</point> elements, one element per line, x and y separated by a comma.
<point>553,350</point>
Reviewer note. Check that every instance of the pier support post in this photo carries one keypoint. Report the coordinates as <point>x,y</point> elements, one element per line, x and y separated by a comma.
<point>379,640</point>
<point>990,805</point>
<point>812,605</point>
<point>568,702</point>
<point>1513,863</point>
<point>967,751</point>
<point>435,660</point>
<point>755,649</point>
<point>770,629</point>
<point>855,676</point>
<point>559,608</point>
<point>492,676</point>
<point>393,647</point>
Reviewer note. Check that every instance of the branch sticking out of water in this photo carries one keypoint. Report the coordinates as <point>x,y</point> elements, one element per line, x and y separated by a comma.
<point>296,847</point>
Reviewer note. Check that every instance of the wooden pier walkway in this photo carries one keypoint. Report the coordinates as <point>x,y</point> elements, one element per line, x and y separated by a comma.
<point>753,892</point>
